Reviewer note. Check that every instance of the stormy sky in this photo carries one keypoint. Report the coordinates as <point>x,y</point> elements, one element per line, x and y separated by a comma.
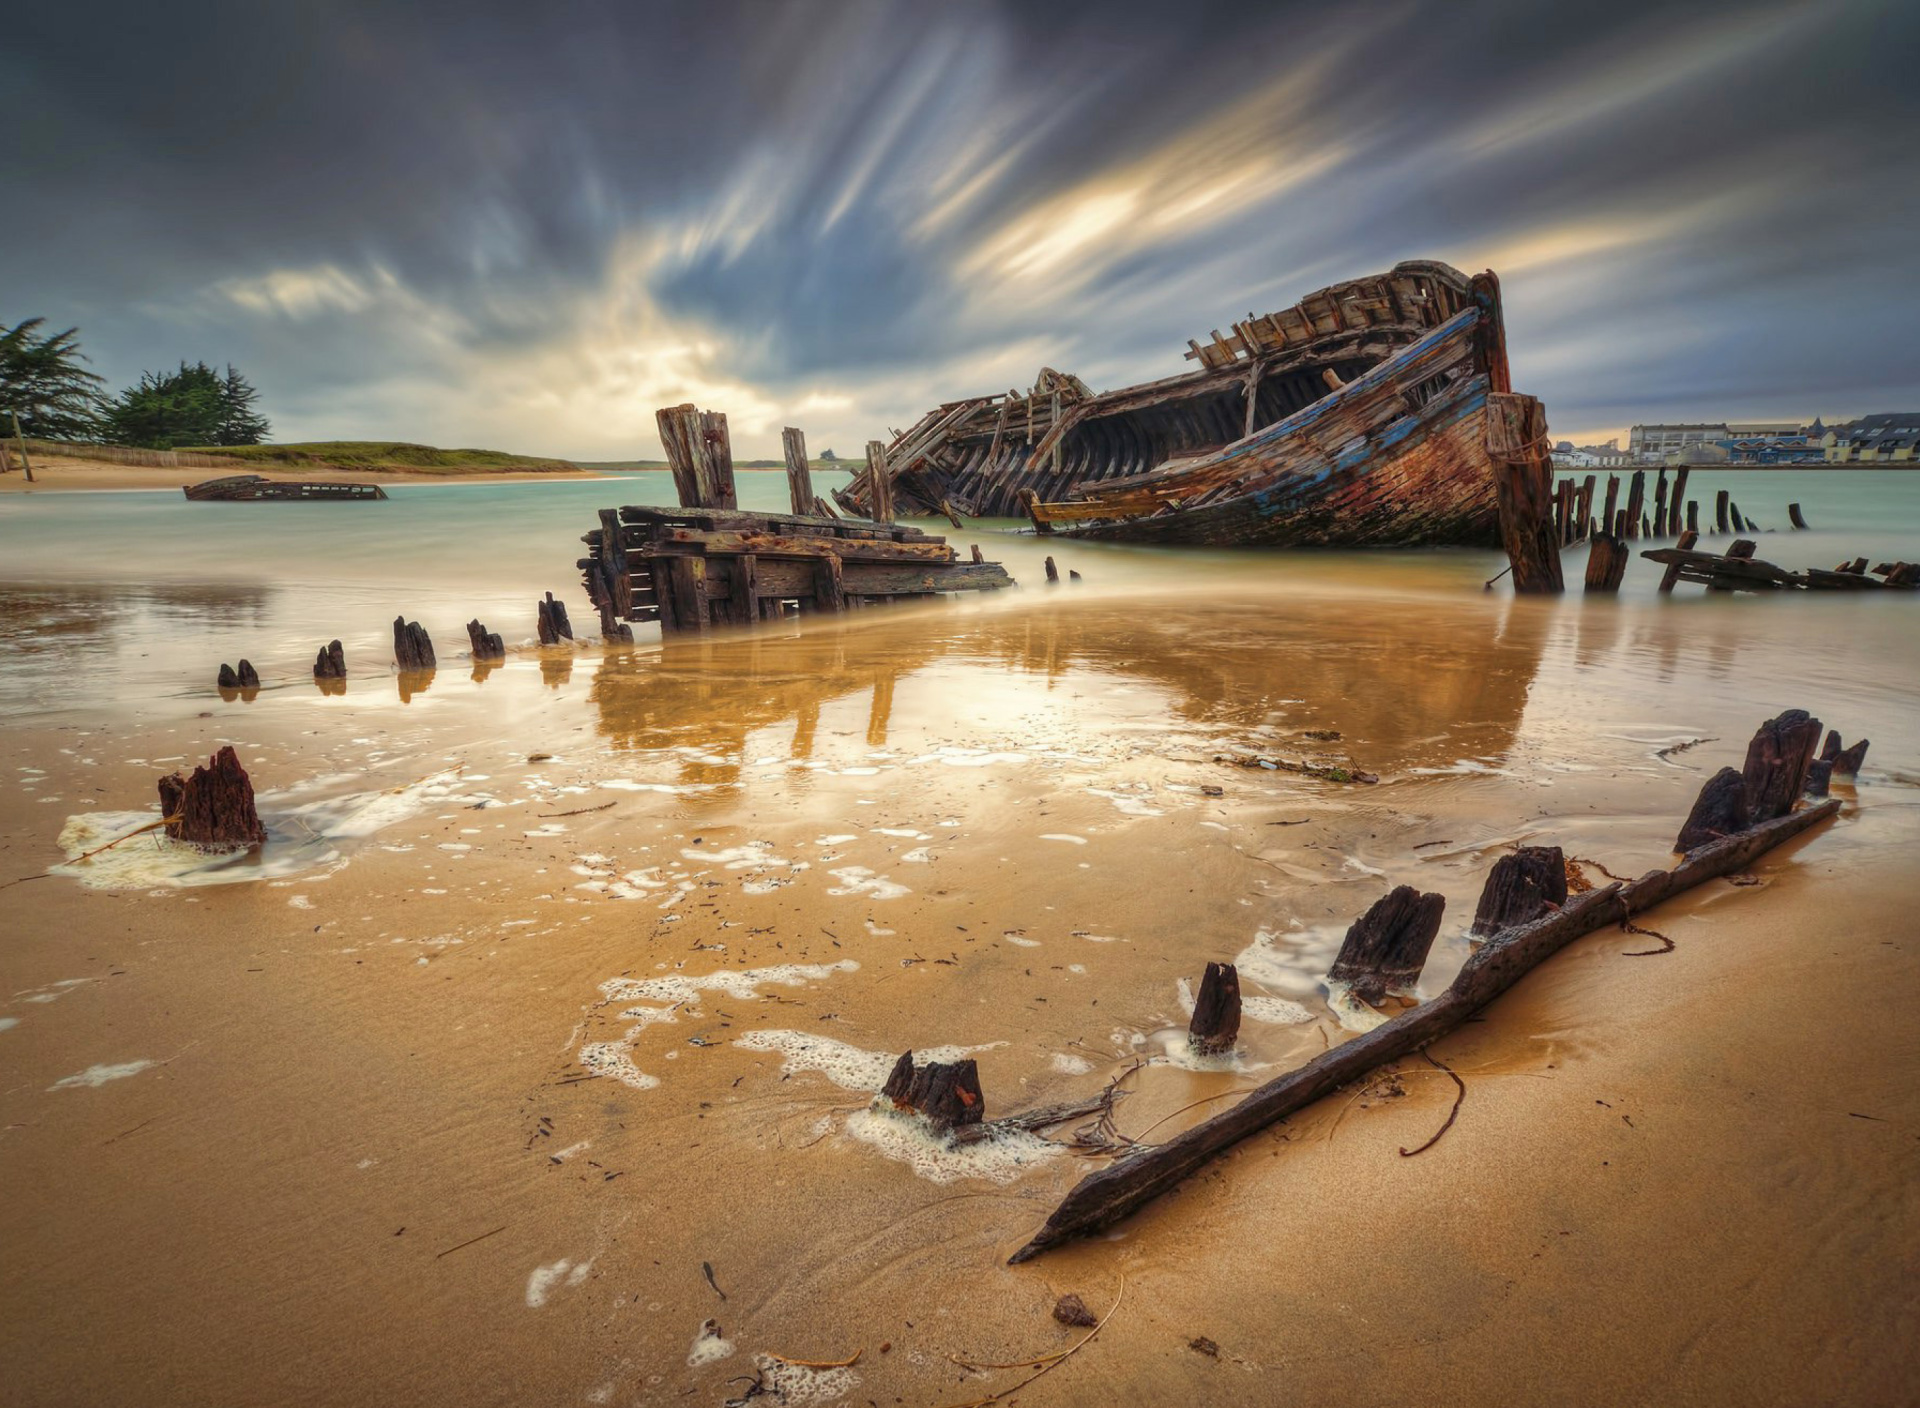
<point>527,225</point>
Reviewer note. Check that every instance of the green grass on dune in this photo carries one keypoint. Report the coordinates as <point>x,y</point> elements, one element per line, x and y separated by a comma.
<point>383,454</point>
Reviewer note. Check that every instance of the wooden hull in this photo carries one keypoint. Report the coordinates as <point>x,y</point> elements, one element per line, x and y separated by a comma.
<point>248,487</point>
<point>1357,418</point>
<point>1431,484</point>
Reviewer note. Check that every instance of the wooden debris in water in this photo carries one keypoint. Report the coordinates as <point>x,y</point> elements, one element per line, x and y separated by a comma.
<point>1795,517</point>
<point>553,624</point>
<point>331,662</point>
<point>1672,574</point>
<point>1328,772</point>
<point>1523,489</point>
<point>1846,761</point>
<point>1606,563</point>
<point>1776,767</point>
<point>793,444</point>
<point>214,807</point>
<point>485,644</point>
<point>1215,1024</point>
<point>1720,810</point>
<point>246,677</point>
<point>1738,570</point>
<point>412,646</point>
<point>1104,1198</point>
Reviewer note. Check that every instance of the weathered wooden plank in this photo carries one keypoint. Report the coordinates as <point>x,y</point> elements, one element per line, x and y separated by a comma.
<point>799,473</point>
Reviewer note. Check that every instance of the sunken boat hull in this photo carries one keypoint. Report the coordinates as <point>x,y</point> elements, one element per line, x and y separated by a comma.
<point>1356,418</point>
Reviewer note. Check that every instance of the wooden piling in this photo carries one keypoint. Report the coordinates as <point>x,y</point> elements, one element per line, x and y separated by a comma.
<point>799,473</point>
<point>1720,501</point>
<point>1215,1024</point>
<point>1719,811</point>
<point>1607,556</point>
<point>1660,505</point>
<point>1607,515</point>
<point>700,454</point>
<point>553,624</point>
<point>1845,762</point>
<point>1776,767</point>
<point>1523,489</point>
<point>1674,525</point>
<point>1795,518</point>
<point>1387,946</point>
<point>879,482</point>
<point>1586,505</point>
<point>1522,887</point>
<point>1693,517</point>
<point>1636,497</point>
<point>1053,574</point>
<point>946,1092</point>
<point>412,647</point>
<point>485,644</point>
<point>331,662</point>
<point>213,808</point>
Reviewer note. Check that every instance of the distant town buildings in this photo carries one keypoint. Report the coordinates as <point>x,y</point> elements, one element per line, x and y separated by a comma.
<point>1876,439</point>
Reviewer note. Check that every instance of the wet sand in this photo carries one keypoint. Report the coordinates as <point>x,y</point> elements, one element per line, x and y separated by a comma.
<point>451,1102</point>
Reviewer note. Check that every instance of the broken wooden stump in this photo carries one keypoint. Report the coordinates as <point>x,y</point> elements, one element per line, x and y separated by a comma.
<point>1053,574</point>
<point>1386,947</point>
<point>1520,888</point>
<point>947,1093</point>
<point>1660,506</point>
<point>1795,517</point>
<point>1636,500</point>
<point>553,624</point>
<point>331,662</point>
<point>1776,768</point>
<point>246,677</point>
<point>1215,1024</point>
<point>1608,514</point>
<point>1606,563</point>
<point>1819,778</point>
<point>1719,811</point>
<point>1693,516</point>
<point>412,646</point>
<point>1672,575</point>
<point>485,644</point>
<point>793,444</point>
<point>1071,1310</point>
<point>879,482</point>
<point>214,807</point>
<point>1846,761</point>
<point>699,454</point>
<point>1740,525</point>
<point>978,556</point>
<point>1720,511</point>
<point>1072,576</point>
<point>1516,441</point>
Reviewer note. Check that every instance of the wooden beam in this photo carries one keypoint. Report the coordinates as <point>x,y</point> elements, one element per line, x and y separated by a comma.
<point>799,472</point>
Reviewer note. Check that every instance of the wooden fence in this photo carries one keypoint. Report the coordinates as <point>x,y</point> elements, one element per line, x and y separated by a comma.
<point>121,454</point>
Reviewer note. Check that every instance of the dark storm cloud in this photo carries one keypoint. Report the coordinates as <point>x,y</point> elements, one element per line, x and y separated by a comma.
<point>535,223</point>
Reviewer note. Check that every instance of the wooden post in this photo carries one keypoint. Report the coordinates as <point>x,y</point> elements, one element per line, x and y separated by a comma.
<point>1620,524</point>
<point>1719,811</point>
<point>1660,506</point>
<point>1523,489</point>
<point>1053,574</point>
<point>1846,762</point>
<point>799,472</point>
<point>553,623</point>
<point>1673,504</point>
<point>485,644</point>
<point>879,483</point>
<point>1776,766</point>
<point>978,556</point>
<point>1586,505</point>
<point>1794,517</point>
<point>1521,887</point>
<point>412,647</point>
<point>1671,576</point>
<point>1693,516</point>
<point>1636,497</point>
<point>1720,512</point>
<point>947,1093</point>
<point>1607,557</point>
<point>20,442</point>
<point>1613,503</point>
<point>829,586</point>
<point>1563,511</point>
<point>700,454</point>
<point>330,663</point>
<point>213,808</point>
<point>1215,1025</point>
<point>1387,946</point>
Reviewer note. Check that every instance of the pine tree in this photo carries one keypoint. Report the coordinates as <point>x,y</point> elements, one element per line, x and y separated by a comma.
<point>42,382</point>
<point>240,424</point>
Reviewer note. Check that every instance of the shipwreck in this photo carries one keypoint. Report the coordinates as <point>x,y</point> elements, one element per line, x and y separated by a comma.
<point>1376,412</point>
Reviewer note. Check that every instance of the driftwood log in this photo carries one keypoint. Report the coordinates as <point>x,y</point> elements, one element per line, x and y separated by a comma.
<point>214,807</point>
<point>412,646</point>
<point>1521,888</point>
<point>331,662</point>
<point>1215,1024</point>
<point>946,1092</point>
<point>1102,1199</point>
<point>486,645</point>
<point>553,624</point>
<point>1387,946</point>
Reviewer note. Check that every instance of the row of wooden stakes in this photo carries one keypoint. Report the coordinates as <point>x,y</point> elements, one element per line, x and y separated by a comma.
<point>1525,914</point>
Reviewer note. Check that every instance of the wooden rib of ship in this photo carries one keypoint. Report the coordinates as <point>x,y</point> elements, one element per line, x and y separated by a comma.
<point>708,563</point>
<point>1373,413</point>
<point>238,487</point>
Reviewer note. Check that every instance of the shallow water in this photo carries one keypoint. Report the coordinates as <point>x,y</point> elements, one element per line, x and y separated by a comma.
<point>594,947</point>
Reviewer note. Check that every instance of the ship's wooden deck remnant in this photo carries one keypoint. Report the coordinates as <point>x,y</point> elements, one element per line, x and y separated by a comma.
<point>709,563</point>
<point>238,487</point>
<point>1738,570</point>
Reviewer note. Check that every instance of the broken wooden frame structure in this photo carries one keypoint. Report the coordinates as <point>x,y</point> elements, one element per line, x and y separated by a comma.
<point>1529,926</point>
<point>709,563</point>
<point>1738,570</point>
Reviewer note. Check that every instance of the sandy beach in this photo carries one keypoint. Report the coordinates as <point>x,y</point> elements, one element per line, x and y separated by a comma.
<point>64,473</point>
<point>543,1031</point>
